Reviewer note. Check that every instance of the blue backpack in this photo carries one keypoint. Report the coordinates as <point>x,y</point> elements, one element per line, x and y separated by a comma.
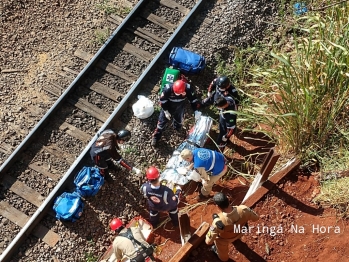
<point>88,181</point>
<point>186,61</point>
<point>68,207</point>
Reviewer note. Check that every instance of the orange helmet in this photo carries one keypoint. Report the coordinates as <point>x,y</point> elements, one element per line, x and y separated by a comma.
<point>179,87</point>
<point>152,173</point>
<point>115,224</point>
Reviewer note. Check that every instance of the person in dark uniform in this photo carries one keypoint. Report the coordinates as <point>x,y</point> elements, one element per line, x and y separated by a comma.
<point>209,164</point>
<point>104,152</point>
<point>160,198</point>
<point>227,119</point>
<point>172,101</point>
<point>130,244</point>
<point>228,225</point>
<point>221,86</point>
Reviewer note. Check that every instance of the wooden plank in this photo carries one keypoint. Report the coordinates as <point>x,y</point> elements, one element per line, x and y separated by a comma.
<point>57,152</point>
<point>135,51</point>
<point>148,36</point>
<point>52,91</point>
<point>198,237</point>
<point>158,20</point>
<point>174,5</point>
<point>75,132</point>
<point>110,68</point>
<point>117,19</point>
<point>106,91</point>
<point>70,71</point>
<point>184,227</point>
<point>20,219</point>
<point>6,148</point>
<point>267,185</point>
<point>65,75</point>
<point>89,108</point>
<point>22,190</point>
<point>271,163</point>
<point>140,32</point>
<point>43,169</point>
<point>266,160</point>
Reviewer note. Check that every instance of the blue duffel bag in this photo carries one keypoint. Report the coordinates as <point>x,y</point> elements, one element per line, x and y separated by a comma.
<point>88,181</point>
<point>186,61</point>
<point>68,207</point>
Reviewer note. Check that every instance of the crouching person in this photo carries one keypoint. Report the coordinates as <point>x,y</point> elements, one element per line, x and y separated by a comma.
<point>160,198</point>
<point>130,244</point>
<point>105,151</point>
<point>209,164</point>
<point>227,226</point>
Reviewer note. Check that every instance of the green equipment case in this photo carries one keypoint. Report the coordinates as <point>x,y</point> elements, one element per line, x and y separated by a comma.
<point>169,77</point>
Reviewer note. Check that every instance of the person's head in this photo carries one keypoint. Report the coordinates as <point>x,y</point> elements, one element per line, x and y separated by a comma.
<point>123,136</point>
<point>221,102</point>
<point>223,83</point>
<point>153,175</point>
<point>187,155</point>
<point>179,87</point>
<point>221,200</point>
<point>116,225</point>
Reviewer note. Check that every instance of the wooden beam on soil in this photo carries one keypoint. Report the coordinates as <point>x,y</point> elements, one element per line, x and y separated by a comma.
<point>269,184</point>
<point>20,219</point>
<point>198,236</point>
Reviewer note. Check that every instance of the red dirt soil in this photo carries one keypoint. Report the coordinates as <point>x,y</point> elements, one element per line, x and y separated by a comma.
<point>290,227</point>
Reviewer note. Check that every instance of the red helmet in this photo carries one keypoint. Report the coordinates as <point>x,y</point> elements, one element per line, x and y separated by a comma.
<point>179,87</point>
<point>152,173</point>
<point>115,224</point>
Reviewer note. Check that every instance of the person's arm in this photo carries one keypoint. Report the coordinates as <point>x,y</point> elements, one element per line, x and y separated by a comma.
<point>233,92</point>
<point>251,215</point>
<point>164,98</point>
<point>212,234</point>
<point>194,102</point>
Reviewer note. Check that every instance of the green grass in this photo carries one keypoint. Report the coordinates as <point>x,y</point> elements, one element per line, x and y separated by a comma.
<point>334,193</point>
<point>101,35</point>
<point>90,257</point>
<point>294,86</point>
<point>112,8</point>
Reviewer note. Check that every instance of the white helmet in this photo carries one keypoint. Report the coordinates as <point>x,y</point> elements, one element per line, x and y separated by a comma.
<point>195,176</point>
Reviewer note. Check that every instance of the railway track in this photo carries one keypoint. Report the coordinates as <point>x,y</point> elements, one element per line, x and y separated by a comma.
<point>56,148</point>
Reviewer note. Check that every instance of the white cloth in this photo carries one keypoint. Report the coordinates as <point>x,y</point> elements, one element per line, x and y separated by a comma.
<point>167,115</point>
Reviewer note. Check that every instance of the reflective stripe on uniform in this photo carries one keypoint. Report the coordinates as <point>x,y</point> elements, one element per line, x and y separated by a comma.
<point>174,212</point>
<point>213,161</point>
<point>165,197</point>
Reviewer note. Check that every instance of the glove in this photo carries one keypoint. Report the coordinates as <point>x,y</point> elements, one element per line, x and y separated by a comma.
<point>224,139</point>
<point>219,223</point>
<point>209,94</point>
<point>167,115</point>
<point>203,182</point>
<point>197,115</point>
<point>137,171</point>
<point>222,145</point>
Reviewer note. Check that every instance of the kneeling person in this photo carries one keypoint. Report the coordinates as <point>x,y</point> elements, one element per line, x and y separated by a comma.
<point>130,244</point>
<point>226,224</point>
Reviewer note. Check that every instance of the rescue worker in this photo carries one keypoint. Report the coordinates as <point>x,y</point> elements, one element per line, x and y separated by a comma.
<point>172,101</point>
<point>104,152</point>
<point>221,86</point>
<point>227,119</point>
<point>160,198</point>
<point>130,244</point>
<point>209,164</point>
<point>228,225</point>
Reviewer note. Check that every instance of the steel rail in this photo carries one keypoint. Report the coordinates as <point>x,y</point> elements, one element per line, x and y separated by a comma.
<point>41,211</point>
